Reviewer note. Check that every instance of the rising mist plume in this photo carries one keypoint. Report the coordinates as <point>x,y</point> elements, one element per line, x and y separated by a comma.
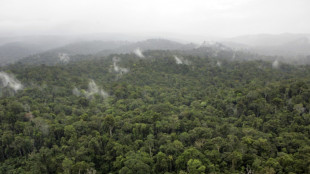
<point>92,90</point>
<point>10,81</point>
<point>118,69</point>
<point>63,57</point>
<point>275,64</point>
<point>179,60</point>
<point>138,52</point>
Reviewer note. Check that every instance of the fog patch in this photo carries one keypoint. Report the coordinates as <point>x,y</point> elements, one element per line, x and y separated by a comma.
<point>120,69</point>
<point>92,90</point>
<point>41,124</point>
<point>179,60</point>
<point>76,92</point>
<point>218,63</point>
<point>275,64</point>
<point>7,80</point>
<point>138,52</point>
<point>63,57</point>
<point>215,54</point>
<point>114,68</point>
<point>26,107</point>
<point>117,68</point>
<point>234,56</point>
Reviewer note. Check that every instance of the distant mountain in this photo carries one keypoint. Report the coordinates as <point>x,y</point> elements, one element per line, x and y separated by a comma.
<point>13,49</point>
<point>11,52</point>
<point>297,47</point>
<point>44,42</point>
<point>72,52</point>
<point>150,44</point>
<point>287,45</point>
<point>95,49</point>
<point>88,49</point>
<point>162,44</point>
<point>267,40</point>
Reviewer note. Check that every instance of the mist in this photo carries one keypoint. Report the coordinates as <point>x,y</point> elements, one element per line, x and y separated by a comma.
<point>138,53</point>
<point>177,60</point>
<point>8,80</point>
<point>155,86</point>
<point>76,92</point>
<point>180,60</point>
<point>63,57</point>
<point>118,69</point>
<point>179,19</point>
<point>39,26</point>
<point>92,90</point>
<point>218,63</point>
<point>275,64</point>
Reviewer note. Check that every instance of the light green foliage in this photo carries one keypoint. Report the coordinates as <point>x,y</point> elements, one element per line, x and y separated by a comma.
<point>195,166</point>
<point>161,117</point>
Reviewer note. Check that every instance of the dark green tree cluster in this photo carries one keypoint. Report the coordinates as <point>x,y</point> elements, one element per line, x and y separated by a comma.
<point>161,117</point>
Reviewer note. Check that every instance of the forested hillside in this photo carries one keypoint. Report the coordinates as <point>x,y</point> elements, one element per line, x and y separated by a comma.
<point>164,113</point>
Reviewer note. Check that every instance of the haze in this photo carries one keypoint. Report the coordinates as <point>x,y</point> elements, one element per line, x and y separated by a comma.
<point>185,19</point>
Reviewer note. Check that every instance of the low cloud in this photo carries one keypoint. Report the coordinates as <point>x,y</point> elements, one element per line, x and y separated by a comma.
<point>117,68</point>
<point>92,90</point>
<point>218,63</point>
<point>179,60</point>
<point>63,57</point>
<point>138,52</point>
<point>10,81</point>
<point>275,64</point>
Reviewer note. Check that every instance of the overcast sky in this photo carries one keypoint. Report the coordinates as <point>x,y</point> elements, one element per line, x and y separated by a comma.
<point>223,18</point>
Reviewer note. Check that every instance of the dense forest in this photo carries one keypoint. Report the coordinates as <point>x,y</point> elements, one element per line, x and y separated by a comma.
<point>164,113</point>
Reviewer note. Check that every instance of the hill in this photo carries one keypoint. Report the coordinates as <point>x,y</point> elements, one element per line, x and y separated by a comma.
<point>87,49</point>
<point>291,46</point>
<point>11,52</point>
<point>169,112</point>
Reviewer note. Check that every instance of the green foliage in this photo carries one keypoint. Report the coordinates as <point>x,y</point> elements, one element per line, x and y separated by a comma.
<point>161,117</point>
<point>195,166</point>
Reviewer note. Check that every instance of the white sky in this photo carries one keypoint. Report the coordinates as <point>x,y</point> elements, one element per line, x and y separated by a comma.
<point>224,18</point>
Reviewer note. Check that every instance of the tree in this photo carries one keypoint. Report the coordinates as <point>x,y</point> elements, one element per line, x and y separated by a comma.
<point>235,156</point>
<point>150,143</point>
<point>67,165</point>
<point>161,163</point>
<point>136,163</point>
<point>109,121</point>
<point>194,166</point>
